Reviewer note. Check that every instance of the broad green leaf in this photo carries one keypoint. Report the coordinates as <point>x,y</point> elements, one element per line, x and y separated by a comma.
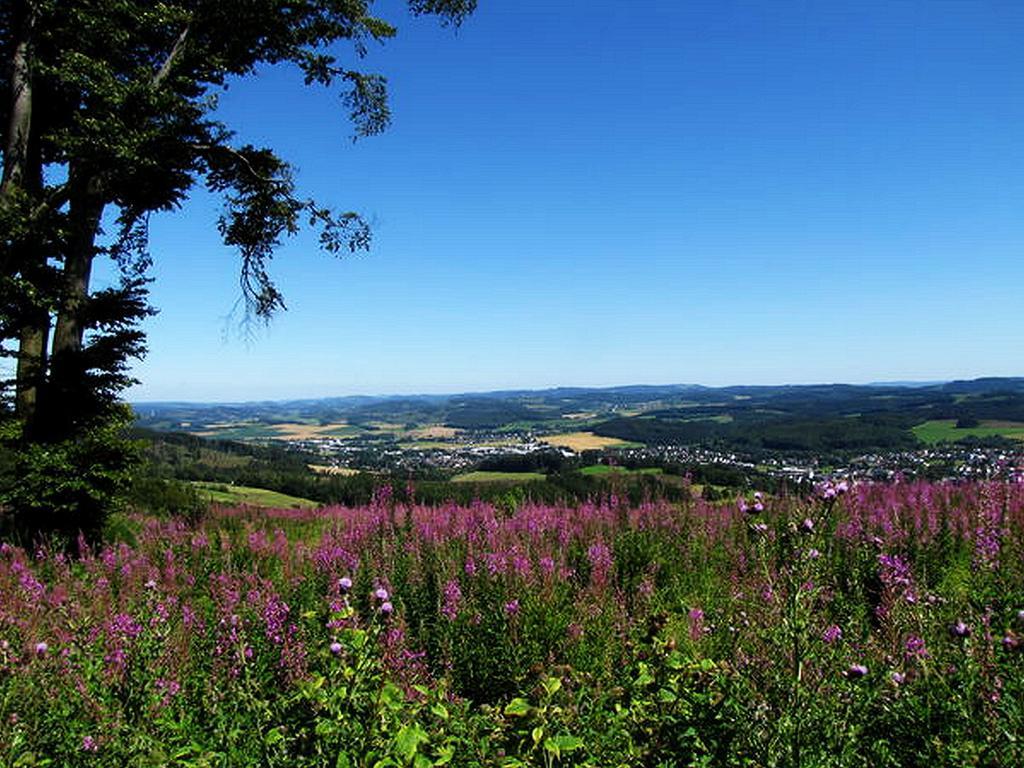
<point>518,707</point>
<point>408,740</point>
<point>552,685</point>
<point>563,743</point>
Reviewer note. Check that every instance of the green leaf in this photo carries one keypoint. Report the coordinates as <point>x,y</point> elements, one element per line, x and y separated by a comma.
<point>518,707</point>
<point>558,745</point>
<point>392,696</point>
<point>552,685</point>
<point>538,734</point>
<point>408,740</point>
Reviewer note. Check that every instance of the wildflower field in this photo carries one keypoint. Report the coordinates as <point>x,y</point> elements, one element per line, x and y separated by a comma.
<point>880,625</point>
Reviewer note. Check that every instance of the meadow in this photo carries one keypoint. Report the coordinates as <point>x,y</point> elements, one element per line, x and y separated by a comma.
<point>876,625</point>
<point>946,430</point>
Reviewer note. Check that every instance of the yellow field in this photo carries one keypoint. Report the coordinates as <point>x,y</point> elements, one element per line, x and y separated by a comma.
<point>306,431</point>
<point>581,441</point>
<point>436,432</point>
<point>324,469</point>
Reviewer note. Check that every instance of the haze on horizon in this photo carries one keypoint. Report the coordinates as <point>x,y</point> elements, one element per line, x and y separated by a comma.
<point>607,193</point>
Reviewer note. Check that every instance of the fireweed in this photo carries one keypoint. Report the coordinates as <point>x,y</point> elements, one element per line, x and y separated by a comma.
<point>863,625</point>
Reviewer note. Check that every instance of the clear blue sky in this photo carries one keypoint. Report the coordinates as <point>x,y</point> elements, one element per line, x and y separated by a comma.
<point>592,192</point>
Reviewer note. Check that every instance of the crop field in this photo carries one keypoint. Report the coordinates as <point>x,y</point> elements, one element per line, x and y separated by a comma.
<point>880,625</point>
<point>583,441</point>
<point>327,469</point>
<point>297,431</point>
<point>945,430</point>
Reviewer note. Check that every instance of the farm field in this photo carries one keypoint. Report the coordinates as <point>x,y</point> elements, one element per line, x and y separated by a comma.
<point>945,430</point>
<point>883,626</point>
<point>583,441</point>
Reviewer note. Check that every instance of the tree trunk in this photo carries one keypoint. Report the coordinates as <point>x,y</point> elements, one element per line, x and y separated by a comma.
<point>84,220</point>
<point>22,171</point>
<point>19,125</point>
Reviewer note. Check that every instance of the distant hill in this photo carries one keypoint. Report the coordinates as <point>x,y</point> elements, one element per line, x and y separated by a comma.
<point>756,418</point>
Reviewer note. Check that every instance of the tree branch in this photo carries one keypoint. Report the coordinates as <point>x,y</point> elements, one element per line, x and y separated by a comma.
<point>172,57</point>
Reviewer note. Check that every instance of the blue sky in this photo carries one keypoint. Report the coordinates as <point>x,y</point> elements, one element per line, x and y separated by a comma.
<point>598,193</point>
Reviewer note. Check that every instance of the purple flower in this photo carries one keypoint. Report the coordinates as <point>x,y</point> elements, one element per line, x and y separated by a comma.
<point>387,608</point>
<point>1011,642</point>
<point>452,598</point>
<point>512,607</point>
<point>813,554</point>
<point>898,678</point>
<point>41,648</point>
<point>381,594</point>
<point>89,744</point>
<point>960,629</point>
<point>915,647</point>
<point>741,505</point>
<point>831,634</point>
<point>807,526</point>
<point>759,528</point>
<point>345,584</point>
<point>856,671</point>
<point>335,647</point>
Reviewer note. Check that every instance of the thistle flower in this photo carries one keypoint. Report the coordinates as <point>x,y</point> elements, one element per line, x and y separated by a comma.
<point>832,633</point>
<point>381,594</point>
<point>387,608</point>
<point>41,648</point>
<point>512,607</point>
<point>335,647</point>
<point>345,584</point>
<point>898,678</point>
<point>807,526</point>
<point>89,744</point>
<point>960,629</point>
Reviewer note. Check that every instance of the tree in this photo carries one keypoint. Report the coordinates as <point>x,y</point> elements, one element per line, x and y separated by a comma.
<point>108,113</point>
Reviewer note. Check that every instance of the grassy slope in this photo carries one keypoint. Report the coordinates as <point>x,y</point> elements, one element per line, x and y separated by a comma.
<point>256,497</point>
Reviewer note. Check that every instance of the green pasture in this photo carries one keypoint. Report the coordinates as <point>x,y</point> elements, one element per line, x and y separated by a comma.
<point>498,477</point>
<point>220,493</point>
<point>945,430</point>
<point>604,469</point>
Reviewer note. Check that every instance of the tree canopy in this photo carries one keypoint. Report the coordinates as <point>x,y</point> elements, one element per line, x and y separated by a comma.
<point>108,112</point>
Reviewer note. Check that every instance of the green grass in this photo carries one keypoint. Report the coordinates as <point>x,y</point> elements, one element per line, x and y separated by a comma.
<point>944,430</point>
<point>498,477</point>
<point>219,493</point>
<point>604,469</point>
